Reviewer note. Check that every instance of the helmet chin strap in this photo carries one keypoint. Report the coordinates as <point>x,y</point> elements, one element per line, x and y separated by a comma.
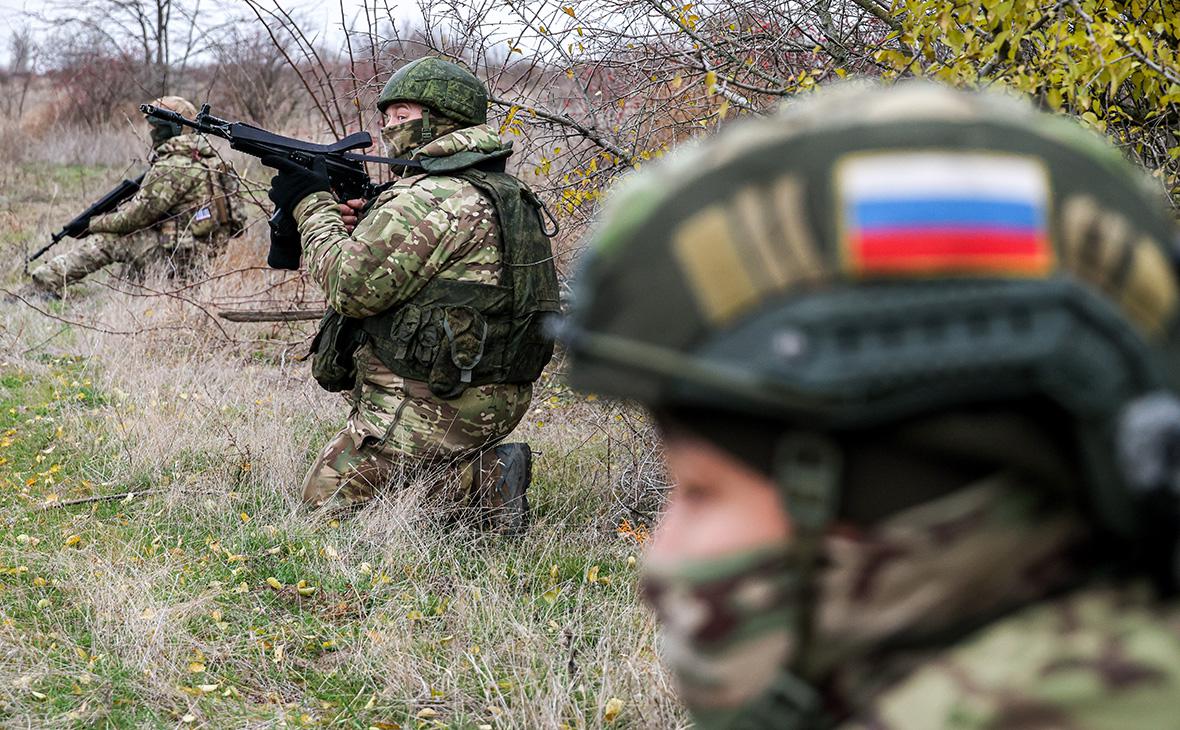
<point>807,471</point>
<point>427,133</point>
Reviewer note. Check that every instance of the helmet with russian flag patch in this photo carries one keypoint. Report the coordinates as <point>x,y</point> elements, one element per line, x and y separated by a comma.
<point>873,254</point>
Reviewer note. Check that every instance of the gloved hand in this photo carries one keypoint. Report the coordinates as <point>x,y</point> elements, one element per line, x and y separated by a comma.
<point>294,181</point>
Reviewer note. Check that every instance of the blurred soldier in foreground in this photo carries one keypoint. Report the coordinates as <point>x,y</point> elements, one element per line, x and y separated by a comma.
<point>436,304</point>
<point>913,353</point>
<point>182,214</point>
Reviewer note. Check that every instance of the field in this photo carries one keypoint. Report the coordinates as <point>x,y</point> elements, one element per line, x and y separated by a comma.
<point>157,568</point>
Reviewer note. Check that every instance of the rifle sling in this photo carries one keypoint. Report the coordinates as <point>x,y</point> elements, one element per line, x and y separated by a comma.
<point>393,161</point>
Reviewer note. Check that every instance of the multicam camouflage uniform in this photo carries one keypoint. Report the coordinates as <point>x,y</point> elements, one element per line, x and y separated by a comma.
<point>421,228</point>
<point>169,221</point>
<point>1105,658</point>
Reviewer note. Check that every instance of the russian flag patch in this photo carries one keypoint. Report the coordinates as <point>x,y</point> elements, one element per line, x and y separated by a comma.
<point>927,213</point>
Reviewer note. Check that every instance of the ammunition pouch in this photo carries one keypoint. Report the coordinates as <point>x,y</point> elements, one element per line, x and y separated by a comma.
<point>451,336</point>
<point>333,351</point>
<point>168,233</point>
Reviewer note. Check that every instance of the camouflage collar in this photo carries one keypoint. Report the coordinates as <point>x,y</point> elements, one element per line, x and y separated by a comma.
<point>480,138</point>
<point>185,145</point>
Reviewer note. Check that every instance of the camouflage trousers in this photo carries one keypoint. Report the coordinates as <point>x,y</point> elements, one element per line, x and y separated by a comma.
<point>137,251</point>
<point>400,433</point>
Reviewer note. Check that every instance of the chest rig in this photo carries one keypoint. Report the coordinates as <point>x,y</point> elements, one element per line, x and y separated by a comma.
<point>456,334</point>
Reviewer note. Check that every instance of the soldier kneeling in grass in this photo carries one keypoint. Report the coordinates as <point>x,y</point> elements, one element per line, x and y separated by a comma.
<point>437,297</point>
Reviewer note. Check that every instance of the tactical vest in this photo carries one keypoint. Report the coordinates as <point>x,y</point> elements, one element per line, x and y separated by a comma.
<point>457,334</point>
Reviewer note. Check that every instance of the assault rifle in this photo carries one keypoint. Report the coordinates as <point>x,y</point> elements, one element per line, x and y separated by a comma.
<point>79,226</point>
<point>346,169</point>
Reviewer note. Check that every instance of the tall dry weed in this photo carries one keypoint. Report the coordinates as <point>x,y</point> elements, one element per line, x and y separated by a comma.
<point>217,422</point>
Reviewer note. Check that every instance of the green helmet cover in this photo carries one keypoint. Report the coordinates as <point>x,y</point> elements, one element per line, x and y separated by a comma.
<point>443,86</point>
<point>872,254</point>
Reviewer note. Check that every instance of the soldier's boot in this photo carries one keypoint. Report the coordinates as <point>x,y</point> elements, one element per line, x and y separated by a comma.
<point>505,473</point>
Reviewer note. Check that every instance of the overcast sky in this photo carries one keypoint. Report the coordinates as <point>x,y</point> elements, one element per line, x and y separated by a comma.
<point>323,17</point>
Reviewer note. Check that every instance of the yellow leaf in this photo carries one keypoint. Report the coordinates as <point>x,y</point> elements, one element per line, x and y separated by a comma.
<point>274,583</point>
<point>208,687</point>
<point>196,667</point>
<point>592,574</point>
<point>244,517</point>
<point>427,713</point>
<point>710,81</point>
<point>551,595</point>
<point>73,540</point>
<point>613,707</point>
<point>569,11</point>
<point>307,590</point>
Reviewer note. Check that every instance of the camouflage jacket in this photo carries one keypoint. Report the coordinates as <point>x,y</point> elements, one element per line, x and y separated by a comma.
<point>420,228</point>
<point>1073,658</point>
<point>176,186</point>
<point>1099,659</point>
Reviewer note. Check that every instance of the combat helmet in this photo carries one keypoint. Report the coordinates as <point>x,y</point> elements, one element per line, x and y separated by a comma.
<point>443,86</point>
<point>872,254</point>
<point>178,104</point>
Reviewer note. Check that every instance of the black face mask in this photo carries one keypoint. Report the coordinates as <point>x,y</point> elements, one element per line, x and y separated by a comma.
<point>161,133</point>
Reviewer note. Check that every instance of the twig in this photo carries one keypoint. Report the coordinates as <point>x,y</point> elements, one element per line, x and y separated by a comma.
<point>98,498</point>
<point>589,133</point>
<point>270,315</point>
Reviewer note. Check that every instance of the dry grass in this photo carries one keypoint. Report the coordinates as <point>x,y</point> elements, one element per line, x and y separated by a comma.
<point>157,609</point>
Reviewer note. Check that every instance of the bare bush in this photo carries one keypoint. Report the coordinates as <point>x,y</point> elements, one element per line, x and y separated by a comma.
<point>254,79</point>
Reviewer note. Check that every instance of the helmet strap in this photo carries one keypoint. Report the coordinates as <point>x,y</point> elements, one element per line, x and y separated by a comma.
<point>427,133</point>
<point>807,469</point>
